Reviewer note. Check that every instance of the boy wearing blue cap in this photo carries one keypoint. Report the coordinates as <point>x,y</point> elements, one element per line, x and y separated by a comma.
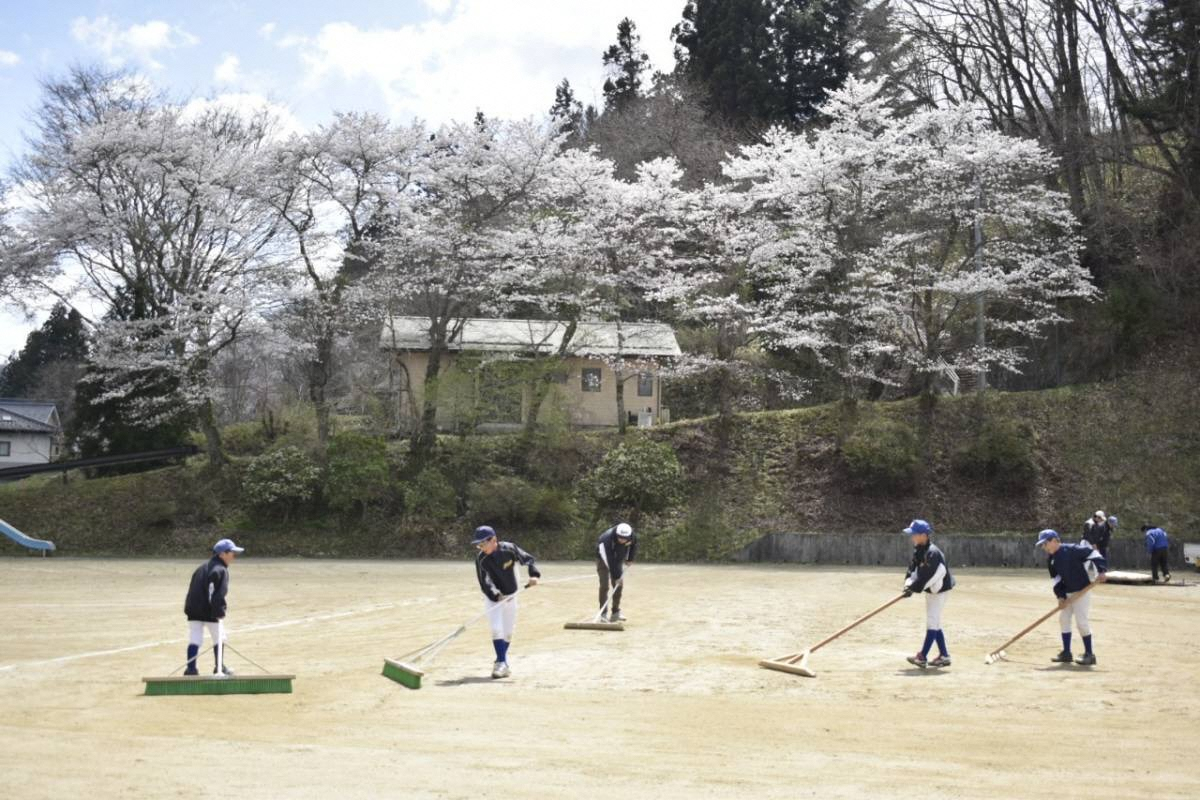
<point>205,606</point>
<point>928,574</point>
<point>496,569</point>
<point>1158,546</point>
<point>1072,567</point>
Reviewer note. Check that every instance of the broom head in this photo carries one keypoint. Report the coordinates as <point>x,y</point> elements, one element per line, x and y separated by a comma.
<point>595,626</point>
<point>403,674</point>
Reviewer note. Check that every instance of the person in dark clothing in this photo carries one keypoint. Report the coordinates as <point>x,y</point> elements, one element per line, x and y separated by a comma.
<point>496,570</point>
<point>1097,532</point>
<point>205,606</point>
<point>1158,545</point>
<point>615,552</point>
<point>928,574</point>
<point>1073,568</point>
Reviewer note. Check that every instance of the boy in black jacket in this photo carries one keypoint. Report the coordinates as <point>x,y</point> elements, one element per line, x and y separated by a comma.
<point>616,550</point>
<point>1073,568</point>
<point>929,574</point>
<point>496,569</point>
<point>205,606</point>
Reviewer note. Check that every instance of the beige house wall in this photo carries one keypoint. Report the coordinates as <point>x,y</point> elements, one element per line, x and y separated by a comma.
<point>27,447</point>
<point>585,409</point>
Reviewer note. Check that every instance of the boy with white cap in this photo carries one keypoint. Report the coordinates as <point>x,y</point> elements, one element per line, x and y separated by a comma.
<point>616,550</point>
<point>496,569</point>
<point>205,606</point>
<point>928,574</point>
<point>1072,567</point>
<point>1097,532</point>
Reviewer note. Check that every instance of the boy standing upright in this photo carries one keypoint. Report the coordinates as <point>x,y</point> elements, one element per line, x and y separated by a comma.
<point>205,606</point>
<point>496,569</point>
<point>928,574</point>
<point>1072,566</point>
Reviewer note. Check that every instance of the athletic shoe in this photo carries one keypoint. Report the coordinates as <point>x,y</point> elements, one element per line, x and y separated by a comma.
<point>192,671</point>
<point>1063,657</point>
<point>1167,578</point>
<point>496,669</point>
<point>501,670</point>
<point>918,661</point>
<point>616,616</point>
<point>940,661</point>
<point>225,672</point>
<point>1086,660</point>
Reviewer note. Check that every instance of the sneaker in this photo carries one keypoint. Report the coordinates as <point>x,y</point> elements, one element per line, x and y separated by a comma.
<point>616,616</point>
<point>1086,660</point>
<point>918,661</point>
<point>940,661</point>
<point>500,670</point>
<point>1063,657</point>
<point>1167,578</point>
<point>225,672</point>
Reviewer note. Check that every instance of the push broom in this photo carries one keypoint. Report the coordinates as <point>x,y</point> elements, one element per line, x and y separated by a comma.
<point>597,622</point>
<point>797,663</point>
<point>999,655</point>
<point>404,670</point>
<point>267,683</point>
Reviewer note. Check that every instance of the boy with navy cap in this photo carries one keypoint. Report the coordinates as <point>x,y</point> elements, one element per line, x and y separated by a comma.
<point>205,605</point>
<point>1072,567</point>
<point>928,574</point>
<point>616,549</point>
<point>496,569</point>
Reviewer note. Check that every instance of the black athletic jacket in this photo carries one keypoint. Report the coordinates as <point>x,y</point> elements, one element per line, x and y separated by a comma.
<point>206,594</point>
<point>1098,534</point>
<point>613,554</point>
<point>497,573</point>
<point>1068,568</point>
<point>927,572</point>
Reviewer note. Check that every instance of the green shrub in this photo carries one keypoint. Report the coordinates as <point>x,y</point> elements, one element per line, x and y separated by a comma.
<point>279,481</point>
<point>429,495</point>
<point>357,471</point>
<point>1002,454</point>
<point>244,438</point>
<point>640,475</point>
<point>510,501</point>
<point>882,454</point>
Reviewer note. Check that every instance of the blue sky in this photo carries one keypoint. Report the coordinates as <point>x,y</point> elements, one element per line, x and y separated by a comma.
<point>430,59</point>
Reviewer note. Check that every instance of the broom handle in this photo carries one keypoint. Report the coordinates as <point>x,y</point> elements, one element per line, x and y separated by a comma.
<point>423,652</point>
<point>1040,620</point>
<point>797,656</point>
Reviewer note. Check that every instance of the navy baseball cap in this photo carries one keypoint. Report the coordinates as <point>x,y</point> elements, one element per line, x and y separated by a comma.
<point>918,526</point>
<point>482,534</point>
<point>1046,536</point>
<point>227,546</point>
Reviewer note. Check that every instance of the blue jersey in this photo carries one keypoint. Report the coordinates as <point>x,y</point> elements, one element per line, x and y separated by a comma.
<point>1156,539</point>
<point>1069,568</point>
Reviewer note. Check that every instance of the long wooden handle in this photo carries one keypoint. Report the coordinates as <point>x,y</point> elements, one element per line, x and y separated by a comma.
<point>792,658</point>
<point>1040,620</point>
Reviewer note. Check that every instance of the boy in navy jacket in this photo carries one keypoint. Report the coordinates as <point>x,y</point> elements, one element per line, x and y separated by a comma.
<point>496,569</point>
<point>1072,566</point>
<point>928,574</point>
<point>615,550</point>
<point>1158,546</point>
<point>205,605</point>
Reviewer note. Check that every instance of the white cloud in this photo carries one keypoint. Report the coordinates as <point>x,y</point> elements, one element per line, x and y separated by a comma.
<point>135,43</point>
<point>228,71</point>
<point>247,104</point>
<point>267,30</point>
<point>504,58</point>
<point>438,6</point>
<point>9,59</point>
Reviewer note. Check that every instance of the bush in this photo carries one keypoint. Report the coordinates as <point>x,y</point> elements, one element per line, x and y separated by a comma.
<point>1001,454</point>
<point>883,454</point>
<point>640,475</point>
<point>358,471</point>
<point>280,481</point>
<point>511,501</point>
<point>431,496</point>
<point>244,439</point>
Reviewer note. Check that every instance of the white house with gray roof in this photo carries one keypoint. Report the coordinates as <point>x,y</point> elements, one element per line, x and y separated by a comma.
<point>30,432</point>
<point>478,385</point>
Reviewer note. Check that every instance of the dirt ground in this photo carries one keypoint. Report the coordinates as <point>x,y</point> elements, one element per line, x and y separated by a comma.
<point>673,707</point>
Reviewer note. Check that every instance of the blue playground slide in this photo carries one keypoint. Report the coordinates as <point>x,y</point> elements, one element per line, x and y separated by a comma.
<point>22,539</point>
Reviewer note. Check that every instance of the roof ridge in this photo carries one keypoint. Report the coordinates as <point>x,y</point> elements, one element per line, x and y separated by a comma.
<point>45,425</point>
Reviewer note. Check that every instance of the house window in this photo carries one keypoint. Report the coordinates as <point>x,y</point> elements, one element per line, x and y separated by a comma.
<point>645,384</point>
<point>5,449</point>
<point>590,379</point>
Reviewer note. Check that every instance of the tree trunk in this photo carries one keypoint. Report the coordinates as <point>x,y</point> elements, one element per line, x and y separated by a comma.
<point>212,437</point>
<point>622,422</point>
<point>318,379</point>
<point>425,436</point>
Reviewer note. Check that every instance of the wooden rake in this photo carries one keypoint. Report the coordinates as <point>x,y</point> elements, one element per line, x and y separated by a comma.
<point>797,663</point>
<point>999,655</point>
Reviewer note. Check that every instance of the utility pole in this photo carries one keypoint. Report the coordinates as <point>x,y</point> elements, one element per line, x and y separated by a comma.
<point>980,337</point>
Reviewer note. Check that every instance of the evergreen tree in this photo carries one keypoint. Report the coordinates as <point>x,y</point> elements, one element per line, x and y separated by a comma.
<point>60,338</point>
<point>567,112</point>
<point>624,62</point>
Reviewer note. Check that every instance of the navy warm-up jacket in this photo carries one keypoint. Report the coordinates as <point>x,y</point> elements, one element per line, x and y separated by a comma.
<point>928,572</point>
<point>1068,568</point>
<point>206,595</point>
<point>1156,539</point>
<point>614,554</point>
<point>497,573</point>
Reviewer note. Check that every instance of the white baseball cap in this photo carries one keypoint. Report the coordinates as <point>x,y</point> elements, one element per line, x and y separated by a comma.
<point>624,531</point>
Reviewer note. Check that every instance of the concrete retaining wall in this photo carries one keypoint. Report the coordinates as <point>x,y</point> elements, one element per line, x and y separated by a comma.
<point>961,550</point>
